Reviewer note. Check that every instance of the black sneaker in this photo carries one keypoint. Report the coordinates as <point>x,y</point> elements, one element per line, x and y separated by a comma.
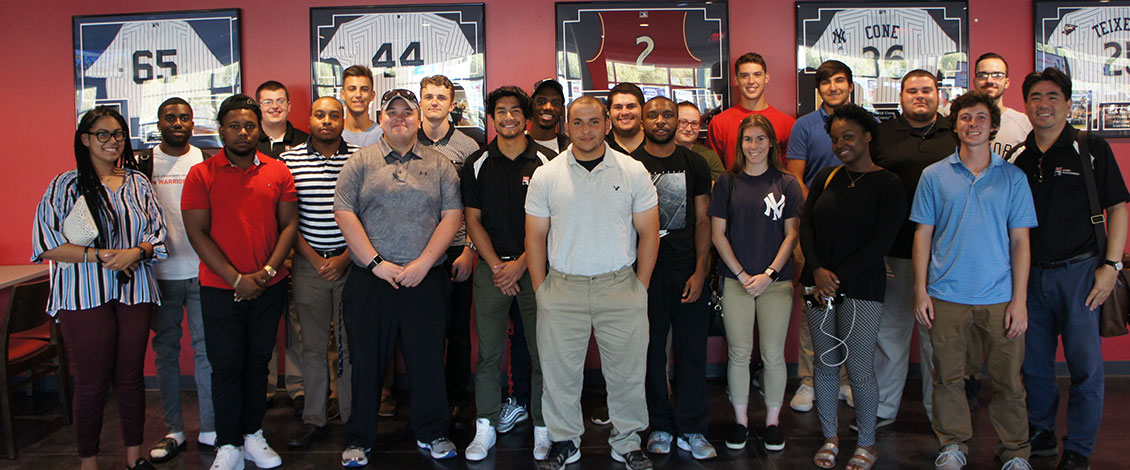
<point>560,454</point>
<point>1073,461</point>
<point>972,388</point>
<point>735,439</point>
<point>634,460</point>
<point>1043,443</point>
<point>772,438</point>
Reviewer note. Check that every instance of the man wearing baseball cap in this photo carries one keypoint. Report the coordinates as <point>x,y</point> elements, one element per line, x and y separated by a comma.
<point>548,100</point>
<point>397,203</point>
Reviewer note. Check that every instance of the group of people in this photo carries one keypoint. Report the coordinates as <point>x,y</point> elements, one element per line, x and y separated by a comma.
<point>395,228</point>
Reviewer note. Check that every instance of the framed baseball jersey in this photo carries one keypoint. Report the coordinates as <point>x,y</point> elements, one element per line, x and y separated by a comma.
<point>881,42</point>
<point>1090,42</point>
<point>402,45</point>
<point>677,50</point>
<point>136,62</point>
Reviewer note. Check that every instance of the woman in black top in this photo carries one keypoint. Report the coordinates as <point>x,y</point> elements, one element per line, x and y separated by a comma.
<point>850,219</point>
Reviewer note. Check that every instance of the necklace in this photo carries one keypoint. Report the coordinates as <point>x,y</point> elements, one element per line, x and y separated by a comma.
<point>861,175</point>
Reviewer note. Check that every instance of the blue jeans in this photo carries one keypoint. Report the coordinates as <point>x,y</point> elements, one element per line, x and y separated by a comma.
<point>1056,309</point>
<point>177,298</point>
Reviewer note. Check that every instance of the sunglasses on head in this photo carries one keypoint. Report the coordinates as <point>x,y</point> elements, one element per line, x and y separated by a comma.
<point>398,92</point>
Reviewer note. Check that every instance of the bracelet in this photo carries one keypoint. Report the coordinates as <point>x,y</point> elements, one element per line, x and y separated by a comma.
<point>85,252</point>
<point>143,252</point>
<point>98,256</point>
<point>739,274</point>
<point>238,277</point>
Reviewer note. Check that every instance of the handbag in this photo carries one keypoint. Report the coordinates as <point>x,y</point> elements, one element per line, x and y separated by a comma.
<point>715,279</point>
<point>1115,312</point>
<point>79,226</point>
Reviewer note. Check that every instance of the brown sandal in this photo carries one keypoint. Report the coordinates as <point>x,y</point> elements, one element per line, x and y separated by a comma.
<point>826,456</point>
<point>863,459</point>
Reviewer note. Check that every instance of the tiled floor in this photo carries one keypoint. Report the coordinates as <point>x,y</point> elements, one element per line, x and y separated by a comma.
<point>46,444</point>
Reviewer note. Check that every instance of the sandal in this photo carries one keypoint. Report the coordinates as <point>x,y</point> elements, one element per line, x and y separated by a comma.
<point>863,459</point>
<point>165,450</point>
<point>826,456</point>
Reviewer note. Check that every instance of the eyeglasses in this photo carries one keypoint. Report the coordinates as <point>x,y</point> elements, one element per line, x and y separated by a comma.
<point>104,136</point>
<point>686,123</point>
<point>399,92</point>
<point>993,75</point>
<point>280,102</point>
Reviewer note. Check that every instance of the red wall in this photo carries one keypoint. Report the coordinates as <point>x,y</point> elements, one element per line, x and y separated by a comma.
<point>38,86</point>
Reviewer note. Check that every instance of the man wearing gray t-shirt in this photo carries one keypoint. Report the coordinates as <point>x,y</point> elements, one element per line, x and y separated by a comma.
<point>398,206</point>
<point>585,210</point>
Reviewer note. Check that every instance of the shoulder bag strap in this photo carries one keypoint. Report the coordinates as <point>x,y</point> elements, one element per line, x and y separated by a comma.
<point>1098,219</point>
<point>832,175</point>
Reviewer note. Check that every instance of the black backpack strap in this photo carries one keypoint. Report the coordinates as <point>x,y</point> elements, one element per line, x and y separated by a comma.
<point>1098,219</point>
<point>145,163</point>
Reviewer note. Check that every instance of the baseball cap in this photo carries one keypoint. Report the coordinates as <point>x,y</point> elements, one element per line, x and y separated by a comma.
<point>399,93</point>
<point>548,82</point>
<point>238,101</point>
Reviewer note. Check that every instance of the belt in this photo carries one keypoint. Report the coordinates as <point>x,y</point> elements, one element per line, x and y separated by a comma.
<point>1066,262</point>
<point>330,253</point>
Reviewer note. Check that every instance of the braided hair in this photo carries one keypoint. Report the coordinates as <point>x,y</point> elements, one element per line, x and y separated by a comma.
<point>88,182</point>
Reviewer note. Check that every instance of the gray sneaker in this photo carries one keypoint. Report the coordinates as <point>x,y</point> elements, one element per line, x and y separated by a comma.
<point>697,445</point>
<point>659,442</point>
<point>442,448</point>
<point>355,457</point>
<point>634,460</point>
<point>951,458</point>
<point>511,414</point>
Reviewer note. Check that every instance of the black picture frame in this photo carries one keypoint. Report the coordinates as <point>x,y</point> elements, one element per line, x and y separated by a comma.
<point>445,39</point>
<point>1080,39</point>
<point>603,43</point>
<point>134,62</point>
<point>880,42</point>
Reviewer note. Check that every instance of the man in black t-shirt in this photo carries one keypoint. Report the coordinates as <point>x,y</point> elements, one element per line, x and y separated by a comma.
<point>675,300</point>
<point>1072,272</point>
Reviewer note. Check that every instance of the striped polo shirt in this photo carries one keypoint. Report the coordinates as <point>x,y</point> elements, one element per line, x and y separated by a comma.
<point>137,218</point>
<point>315,177</point>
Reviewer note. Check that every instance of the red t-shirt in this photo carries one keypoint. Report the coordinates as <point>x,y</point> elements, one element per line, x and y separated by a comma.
<point>243,205</point>
<point>723,133</point>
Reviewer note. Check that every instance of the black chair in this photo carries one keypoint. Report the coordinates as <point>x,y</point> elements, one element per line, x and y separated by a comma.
<point>32,343</point>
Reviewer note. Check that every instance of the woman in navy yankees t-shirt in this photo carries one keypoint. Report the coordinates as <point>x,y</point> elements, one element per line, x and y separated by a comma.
<point>754,215</point>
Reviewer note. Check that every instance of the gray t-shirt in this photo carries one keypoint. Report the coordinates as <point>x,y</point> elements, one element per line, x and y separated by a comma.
<point>590,227</point>
<point>1014,129</point>
<point>363,139</point>
<point>399,199</point>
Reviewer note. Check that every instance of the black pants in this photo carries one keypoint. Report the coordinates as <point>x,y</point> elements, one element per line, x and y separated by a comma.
<point>688,325</point>
<point>239,337</point>
<point>374,313</point>
<point>458,368</point>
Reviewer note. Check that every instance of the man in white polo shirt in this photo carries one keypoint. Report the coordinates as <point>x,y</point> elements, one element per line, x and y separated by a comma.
<point>584,210</point>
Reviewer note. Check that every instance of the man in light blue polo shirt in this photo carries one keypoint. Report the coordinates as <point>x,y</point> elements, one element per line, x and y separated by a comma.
<point>971,258</point>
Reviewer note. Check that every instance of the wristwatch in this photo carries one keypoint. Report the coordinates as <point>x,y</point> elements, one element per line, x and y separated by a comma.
<point>270,271</point>
<point>1117,265</point>
<point>377,260</point>
<point>772,273</point>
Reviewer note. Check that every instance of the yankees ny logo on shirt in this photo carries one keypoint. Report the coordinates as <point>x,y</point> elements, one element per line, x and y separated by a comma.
<point>774,206</point>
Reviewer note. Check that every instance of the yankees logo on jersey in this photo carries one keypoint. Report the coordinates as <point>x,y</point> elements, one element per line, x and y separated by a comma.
<point>881,45</point>
<point>401,40</point>
<point>773,206</point>
<point>1095,42</point>
<point>148,61</point>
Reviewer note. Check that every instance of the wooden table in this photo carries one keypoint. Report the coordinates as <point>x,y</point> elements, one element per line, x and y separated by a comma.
<point>12,275</point>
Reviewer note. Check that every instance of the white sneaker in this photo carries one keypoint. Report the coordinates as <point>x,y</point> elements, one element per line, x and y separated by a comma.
<point>255,449</point>
<point>950,458</point>
<point>845,395</point>
<point>229,457</point>
<point>802,400</point>
<point>541,442</point>
<point>1017,463</point>
<point>483,441</point>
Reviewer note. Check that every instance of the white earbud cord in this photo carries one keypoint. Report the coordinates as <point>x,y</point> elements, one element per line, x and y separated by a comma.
<point>842,342</point>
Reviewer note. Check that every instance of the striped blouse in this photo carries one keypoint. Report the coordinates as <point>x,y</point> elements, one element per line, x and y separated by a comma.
<point>80,286</point>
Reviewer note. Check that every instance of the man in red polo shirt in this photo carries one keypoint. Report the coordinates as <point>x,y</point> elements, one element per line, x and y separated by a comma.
<point>241,214</point>
<point>751,76</point>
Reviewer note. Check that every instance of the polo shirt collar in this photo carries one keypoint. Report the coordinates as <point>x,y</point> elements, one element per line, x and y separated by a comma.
<point>823,114</point>
<point>608,161</point>
<point>955,159</point>
<point>223,159</point>
<point>288,136</point>
<point>342,148</point>
<point>392,156</point>
<point>422,137</point>
<point>530,153</point>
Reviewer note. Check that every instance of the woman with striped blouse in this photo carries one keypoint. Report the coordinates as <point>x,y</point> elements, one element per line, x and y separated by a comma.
<point>102,294</point>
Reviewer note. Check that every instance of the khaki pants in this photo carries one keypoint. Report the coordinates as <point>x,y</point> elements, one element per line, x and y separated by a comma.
<point>613,307</point>
<point>771,310</point>
<point>316,302</point>
<point>954,325</point>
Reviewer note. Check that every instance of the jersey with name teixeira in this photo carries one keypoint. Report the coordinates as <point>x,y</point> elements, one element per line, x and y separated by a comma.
<point>407,40</point>
<point>881,45</point>
<point>151,44</point>
<point>1095,43</point>
<point>648,42</point>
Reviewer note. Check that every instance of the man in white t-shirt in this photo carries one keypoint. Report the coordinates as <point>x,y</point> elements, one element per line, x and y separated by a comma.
<point>167,165</point>
<point>991,76</point>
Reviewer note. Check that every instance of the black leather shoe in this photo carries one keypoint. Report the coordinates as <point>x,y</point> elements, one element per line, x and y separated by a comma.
<point>167,449</point>
<point>1073,461</point>
<point>307,436</point>
<point>460,417</point>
